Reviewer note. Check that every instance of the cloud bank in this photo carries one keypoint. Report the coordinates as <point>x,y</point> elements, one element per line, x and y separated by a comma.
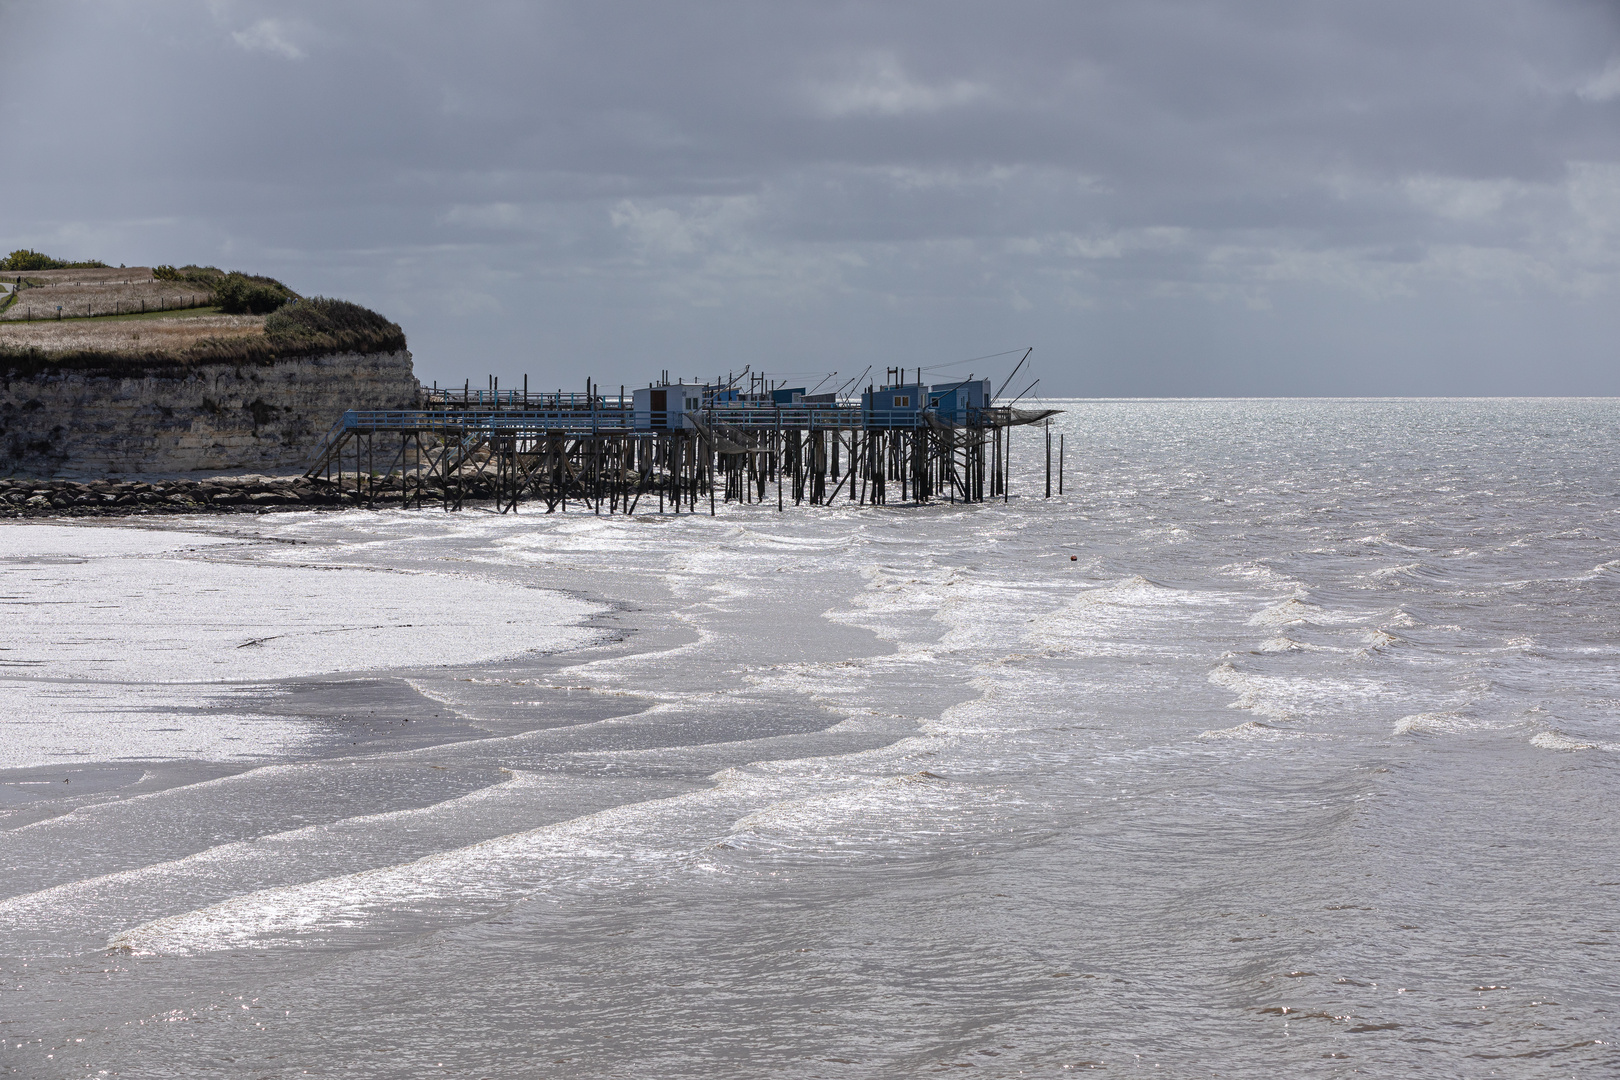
<point>1163,198</point>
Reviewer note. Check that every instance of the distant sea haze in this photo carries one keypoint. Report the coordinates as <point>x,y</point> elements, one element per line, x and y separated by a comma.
<point>1284,743</point>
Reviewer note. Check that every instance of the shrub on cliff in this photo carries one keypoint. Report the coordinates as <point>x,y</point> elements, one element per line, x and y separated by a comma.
<point>199,275</point>
<point>236,293</point>
<point>239,294</point>
<point>321,324</point>
<point>26,259</point>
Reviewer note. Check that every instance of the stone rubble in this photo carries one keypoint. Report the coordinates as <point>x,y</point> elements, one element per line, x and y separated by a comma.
<point>28,497</point>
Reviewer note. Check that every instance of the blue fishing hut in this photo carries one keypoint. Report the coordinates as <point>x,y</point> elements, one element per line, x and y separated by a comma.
<point>664,407</point>
<point>903,404</point>
<point>786,396</point>
<point>895,405</point>
<point>955,402</point>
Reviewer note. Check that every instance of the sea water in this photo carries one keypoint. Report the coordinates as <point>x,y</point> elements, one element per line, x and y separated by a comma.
<point>1285,742</point>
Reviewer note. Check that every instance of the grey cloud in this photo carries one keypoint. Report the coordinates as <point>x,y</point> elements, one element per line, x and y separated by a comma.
<point>1163,197</point>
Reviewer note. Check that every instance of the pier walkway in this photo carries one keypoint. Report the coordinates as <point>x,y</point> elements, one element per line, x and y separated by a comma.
<point>607,454</point>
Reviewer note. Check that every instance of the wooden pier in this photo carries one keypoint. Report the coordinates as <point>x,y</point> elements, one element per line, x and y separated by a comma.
<point>682,448</point>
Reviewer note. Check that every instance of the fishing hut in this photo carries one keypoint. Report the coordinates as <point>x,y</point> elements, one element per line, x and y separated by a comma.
<point>678,445</point>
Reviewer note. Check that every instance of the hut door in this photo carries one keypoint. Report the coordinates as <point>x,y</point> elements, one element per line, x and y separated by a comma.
<point>660,408</point>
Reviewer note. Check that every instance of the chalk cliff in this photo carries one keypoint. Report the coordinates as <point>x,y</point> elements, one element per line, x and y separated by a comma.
<point>249,384</point>
<point>263,415</point>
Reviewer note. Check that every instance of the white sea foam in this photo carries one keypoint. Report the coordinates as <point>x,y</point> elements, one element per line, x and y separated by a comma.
<point>1558,740</point>
<point>1289,612</point>
<point>1253,729</point>
<point>774,811</point>
<point>1125,618</point>
<point>1249,729</point>
<point>882,820</point>
<point>1259,573</point>
<point>240,865</point>
<point>1377,641</point>
<point>1289,697</point>
<point>1251,691</point>
<point>1436,723</point>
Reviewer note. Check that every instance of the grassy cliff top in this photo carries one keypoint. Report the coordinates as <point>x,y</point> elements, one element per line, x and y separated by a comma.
<point>128,319</point>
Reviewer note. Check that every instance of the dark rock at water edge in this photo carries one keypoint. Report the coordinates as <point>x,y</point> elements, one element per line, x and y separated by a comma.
<point>26,497</point>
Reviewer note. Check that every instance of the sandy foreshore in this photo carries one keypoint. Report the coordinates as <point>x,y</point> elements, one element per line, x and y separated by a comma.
<point>162,680</point>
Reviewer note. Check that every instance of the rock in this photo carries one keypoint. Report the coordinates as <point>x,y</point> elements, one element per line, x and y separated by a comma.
<point>262,416</point>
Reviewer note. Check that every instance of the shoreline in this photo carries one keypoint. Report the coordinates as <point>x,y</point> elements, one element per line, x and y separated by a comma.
<point>413,738</point>
<point>352,714</point>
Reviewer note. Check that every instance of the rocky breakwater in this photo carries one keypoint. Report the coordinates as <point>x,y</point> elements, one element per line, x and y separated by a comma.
<point>108,398</point>
<point>22,497</point>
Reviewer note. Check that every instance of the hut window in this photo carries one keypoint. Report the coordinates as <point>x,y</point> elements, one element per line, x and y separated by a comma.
<point>902,401</point>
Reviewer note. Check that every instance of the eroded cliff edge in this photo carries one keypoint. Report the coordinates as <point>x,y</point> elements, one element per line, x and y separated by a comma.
<point>140,385</point>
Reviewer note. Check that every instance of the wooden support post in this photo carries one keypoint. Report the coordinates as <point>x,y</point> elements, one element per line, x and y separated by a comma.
<point>1006,467</point>
<point>1049,459</point>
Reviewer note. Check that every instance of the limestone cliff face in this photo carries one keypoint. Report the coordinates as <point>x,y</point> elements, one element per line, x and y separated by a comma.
<point>263,417</point>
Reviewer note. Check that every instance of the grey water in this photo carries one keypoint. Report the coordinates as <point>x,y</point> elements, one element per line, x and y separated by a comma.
<point>1285,742</point>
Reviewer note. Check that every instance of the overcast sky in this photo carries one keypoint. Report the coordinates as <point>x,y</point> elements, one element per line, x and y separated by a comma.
<point>1244,198</point>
